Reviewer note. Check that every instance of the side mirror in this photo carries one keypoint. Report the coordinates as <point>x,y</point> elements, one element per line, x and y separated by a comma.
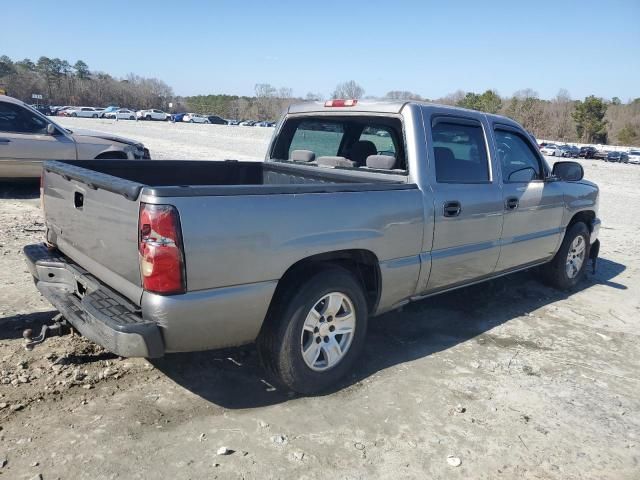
<point>568,171</point>
<point>51,129</point>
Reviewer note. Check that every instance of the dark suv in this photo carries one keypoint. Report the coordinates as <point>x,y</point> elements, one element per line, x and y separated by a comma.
<point>620,157</point>
<point>215,119</point>
<point>587,152</point>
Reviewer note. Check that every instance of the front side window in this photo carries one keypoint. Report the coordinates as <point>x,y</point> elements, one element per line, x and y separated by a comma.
<point>16,119</point>
<point>518,160</point>
<point>460,151</point>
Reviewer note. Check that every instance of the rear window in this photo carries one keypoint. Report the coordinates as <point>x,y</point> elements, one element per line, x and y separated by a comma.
<point>352,139</point>
<point>322,138</point>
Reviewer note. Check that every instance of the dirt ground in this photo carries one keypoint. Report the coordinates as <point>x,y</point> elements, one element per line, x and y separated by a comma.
<point>514,379</point>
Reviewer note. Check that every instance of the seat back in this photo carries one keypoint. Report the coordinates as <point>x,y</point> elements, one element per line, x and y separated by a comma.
<point>360,150</point>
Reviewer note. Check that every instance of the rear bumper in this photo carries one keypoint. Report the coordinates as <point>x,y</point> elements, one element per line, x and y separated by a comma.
<point>96,311</point>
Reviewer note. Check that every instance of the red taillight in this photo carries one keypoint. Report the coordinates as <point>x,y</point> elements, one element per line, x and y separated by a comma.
<point>160,247</point>
<point>341,103</point>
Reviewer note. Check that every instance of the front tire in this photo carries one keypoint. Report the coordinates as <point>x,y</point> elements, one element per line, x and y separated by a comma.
<point>570,262</point>
<point>315,332</point>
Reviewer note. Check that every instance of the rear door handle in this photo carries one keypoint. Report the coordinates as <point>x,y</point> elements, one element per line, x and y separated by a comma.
<point>511,203</point>
<point>451,209</point>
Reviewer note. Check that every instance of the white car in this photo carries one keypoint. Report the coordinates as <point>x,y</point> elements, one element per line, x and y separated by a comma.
<point>152,114</point>
<point>551,150</point>
<point>195,118</point>
<point>84,112</point>
<point>121,114</point>
<point>634,156</point>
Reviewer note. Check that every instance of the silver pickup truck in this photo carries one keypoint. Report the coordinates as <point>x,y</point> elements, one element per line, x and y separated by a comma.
<point>358,208</point>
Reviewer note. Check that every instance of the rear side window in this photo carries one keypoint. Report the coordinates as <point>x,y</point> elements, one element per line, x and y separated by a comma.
<point>323,138</point>
<point>460,151</point>
<point>518,160</point>
<point>16,119</point>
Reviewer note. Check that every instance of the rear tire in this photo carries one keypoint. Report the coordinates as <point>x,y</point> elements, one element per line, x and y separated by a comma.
<point>570,262</point>
<point>305,322</point>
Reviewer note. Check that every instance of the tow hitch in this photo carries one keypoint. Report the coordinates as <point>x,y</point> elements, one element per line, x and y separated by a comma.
<point>59,327</point>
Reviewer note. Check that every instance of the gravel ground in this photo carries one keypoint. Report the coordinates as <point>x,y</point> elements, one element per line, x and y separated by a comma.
<point>185,141</point>
<point>509,378</point>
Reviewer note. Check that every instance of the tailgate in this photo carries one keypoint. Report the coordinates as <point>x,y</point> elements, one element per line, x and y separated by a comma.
<point>93,219</point>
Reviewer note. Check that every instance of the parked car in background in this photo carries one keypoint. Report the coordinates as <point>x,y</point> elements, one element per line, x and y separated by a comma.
<point>216,120</point>
<point>152,114</point>
<point>233,122</point>
<point>27,138</point>
<point>195,118</point>
<point>83,112</point>
<point>601,154</point>
<point>62,111</point>
<point>177,117</point>
<point>619,157</point>
<point>121,114</point>
<point>109,109</point>
<point>587,152</point>
<point>247,123</point>
<point>43,109</point>
<point>263,124</point>
<point>634,156</point>
<point>571,151</point>
<point>551,150</point>
<point>186,273</point>
<point>565,149</point>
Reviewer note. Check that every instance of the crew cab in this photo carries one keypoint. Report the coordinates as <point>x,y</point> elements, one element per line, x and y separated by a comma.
<point>339,223</point>
<point>27,138</point>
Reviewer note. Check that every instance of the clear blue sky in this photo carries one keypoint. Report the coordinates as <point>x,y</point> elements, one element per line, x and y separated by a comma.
<point>429,47</point>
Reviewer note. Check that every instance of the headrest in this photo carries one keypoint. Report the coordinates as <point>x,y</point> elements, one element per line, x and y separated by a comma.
<point>335,162</point>
<point>383,162</point>
<point>303,156</point>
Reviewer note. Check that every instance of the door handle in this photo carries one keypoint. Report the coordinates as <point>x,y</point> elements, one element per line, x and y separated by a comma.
<point>451,209</point>
<point>511,203</point>
<point>4,141</point>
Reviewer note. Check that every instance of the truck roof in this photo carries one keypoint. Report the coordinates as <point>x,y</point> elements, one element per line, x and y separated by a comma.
<point>388,106</point>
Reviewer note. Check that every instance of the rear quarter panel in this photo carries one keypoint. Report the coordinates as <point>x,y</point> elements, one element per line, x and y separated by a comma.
<point>235,240</point>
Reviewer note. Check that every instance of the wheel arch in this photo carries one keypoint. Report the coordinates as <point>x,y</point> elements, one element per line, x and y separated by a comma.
<point>112,155</point>
<point>585,216</point>
<point>363,264</point>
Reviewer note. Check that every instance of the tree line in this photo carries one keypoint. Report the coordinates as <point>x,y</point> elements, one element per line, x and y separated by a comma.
<point>61,83</point>
<point>592,120</point>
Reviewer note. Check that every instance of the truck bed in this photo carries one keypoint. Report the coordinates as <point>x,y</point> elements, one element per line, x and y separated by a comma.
<point>230,177</point>
<point>92,210</point>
